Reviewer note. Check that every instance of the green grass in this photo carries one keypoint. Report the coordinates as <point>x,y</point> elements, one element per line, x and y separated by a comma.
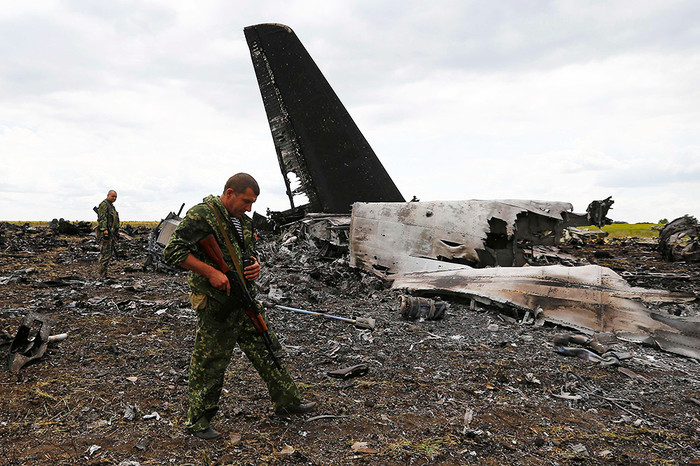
<point>621,230</point>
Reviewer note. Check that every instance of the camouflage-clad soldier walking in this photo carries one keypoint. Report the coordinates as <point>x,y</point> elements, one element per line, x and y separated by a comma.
<point>107,231</point>
<point>221,320</point>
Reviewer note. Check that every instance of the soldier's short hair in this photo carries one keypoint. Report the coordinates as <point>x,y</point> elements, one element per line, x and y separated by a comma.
<point>240,182</point>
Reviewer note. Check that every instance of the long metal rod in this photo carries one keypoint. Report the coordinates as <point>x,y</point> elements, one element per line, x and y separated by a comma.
<point>302,311</point>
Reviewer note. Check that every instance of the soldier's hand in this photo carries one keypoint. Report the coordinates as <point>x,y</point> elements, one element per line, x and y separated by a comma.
<point>105,234</point>
<point>252,272</point>
<point>220,281</point>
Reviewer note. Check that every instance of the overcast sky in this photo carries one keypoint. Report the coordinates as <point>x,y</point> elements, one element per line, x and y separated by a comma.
<point>551,100</point>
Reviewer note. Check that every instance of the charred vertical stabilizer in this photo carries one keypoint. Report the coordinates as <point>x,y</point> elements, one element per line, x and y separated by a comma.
<point>314,135</point>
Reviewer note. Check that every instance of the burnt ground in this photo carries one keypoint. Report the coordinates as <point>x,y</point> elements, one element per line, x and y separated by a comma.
<point>473,388</point>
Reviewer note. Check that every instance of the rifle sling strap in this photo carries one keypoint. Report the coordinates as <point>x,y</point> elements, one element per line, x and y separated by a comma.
<point>229,246</point>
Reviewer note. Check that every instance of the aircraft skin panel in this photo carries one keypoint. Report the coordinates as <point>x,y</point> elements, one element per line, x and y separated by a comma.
<point>590,299</point>
<point>314,135</point>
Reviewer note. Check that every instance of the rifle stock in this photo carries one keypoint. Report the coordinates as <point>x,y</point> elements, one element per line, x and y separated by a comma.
<point>237,282</point>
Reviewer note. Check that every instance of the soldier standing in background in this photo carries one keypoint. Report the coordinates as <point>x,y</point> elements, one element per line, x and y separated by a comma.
<point>107,231</point>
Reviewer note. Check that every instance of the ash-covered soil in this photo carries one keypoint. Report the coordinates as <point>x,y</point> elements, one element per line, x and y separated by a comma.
<point>473,388</point>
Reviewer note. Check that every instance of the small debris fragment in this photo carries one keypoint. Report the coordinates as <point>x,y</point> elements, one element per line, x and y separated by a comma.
<point>93,448</point>
<point>142,444</point>
<point>129,413</point>
<point>361,447</point>
<point>287,450</point>
<point>235,438</point>
<point>580,449</point>
<point>349,372</point>
<point>153,415</point>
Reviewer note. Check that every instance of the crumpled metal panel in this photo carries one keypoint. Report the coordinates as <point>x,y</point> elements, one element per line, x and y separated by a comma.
<point>30,342</point>
<point>389,238</point>
<point>588,298</point>
<point>680,240</point>
<point>314,136</point>
<point>332,229</point>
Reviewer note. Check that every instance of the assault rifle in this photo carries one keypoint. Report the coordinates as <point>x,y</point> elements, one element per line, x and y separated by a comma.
<point>237,282</point>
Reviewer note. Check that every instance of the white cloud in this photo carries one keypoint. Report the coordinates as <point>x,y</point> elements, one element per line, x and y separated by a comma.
<point>560,100</point>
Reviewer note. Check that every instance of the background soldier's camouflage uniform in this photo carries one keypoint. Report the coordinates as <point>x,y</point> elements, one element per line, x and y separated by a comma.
<point>107,219</point>
<point>221,321</point>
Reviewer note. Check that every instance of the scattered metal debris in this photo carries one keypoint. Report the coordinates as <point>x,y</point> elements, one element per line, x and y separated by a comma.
<point>346,373</point>
<point>588,298</point>
<point>579,235</point>
<point>67,228</point>
<point>680,240</point>
<point>413,308</point>
<point>158,239</point>
<point>359,322</point>
<point>30,342</point>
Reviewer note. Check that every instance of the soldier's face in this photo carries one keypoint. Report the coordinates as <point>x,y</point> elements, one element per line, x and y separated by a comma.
<point>238,204</point>
<point>112,196</point>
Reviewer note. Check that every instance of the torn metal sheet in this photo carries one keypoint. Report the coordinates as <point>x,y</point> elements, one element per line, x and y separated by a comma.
<point>680,240</point>
<point>318,145</point>
<point>30,342</point>
<point>583,236</point>
<point>390,238</point>
<point>588,298</point>
<point>158,239</point>
<point>328,228</point>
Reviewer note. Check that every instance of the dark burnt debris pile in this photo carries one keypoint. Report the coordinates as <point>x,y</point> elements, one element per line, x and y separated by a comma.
<point>473,387</point>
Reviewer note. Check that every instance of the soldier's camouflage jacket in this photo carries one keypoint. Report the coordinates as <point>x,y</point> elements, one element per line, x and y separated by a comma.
<point>107,217</point>
<point>200,222</point>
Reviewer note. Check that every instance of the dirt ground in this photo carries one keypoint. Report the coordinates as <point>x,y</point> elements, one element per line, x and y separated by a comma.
<point>472,388</point>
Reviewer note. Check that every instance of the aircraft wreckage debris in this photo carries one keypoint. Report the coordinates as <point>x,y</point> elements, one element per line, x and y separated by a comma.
<point>394,238</point>
<point>31,341</point>
<point>319,146</point>
<point>680,240</point>
<point>412,308</point>
<point>359,322</point>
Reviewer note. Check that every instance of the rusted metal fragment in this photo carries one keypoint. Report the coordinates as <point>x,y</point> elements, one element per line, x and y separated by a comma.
<point>392,238</point>
<point>415,307</point>
<point>318,144</point>
<point>30,342</point>
<point>588,298</point>
<point>680,240</point>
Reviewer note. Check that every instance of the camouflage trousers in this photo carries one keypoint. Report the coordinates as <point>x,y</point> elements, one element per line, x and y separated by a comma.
<point>107,251</point>
<point>219,329</point>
